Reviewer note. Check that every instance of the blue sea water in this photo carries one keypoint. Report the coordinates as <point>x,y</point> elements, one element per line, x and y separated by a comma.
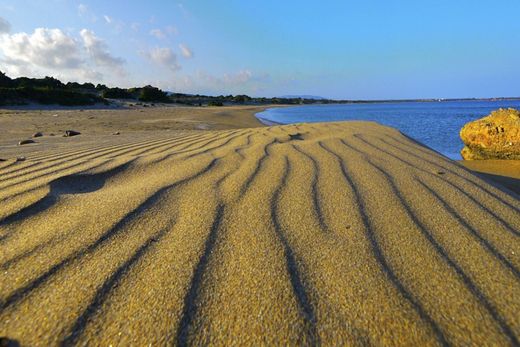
<point>435,124</point>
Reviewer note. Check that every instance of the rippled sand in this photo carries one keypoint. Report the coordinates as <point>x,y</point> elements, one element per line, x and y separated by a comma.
<point>333,233</point>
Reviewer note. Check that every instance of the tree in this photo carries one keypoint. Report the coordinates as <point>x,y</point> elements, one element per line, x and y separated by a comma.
<point>5,81</point>
<point>153,94</point>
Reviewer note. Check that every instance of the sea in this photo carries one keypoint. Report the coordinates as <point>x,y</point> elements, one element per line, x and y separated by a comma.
<point>434,124</point>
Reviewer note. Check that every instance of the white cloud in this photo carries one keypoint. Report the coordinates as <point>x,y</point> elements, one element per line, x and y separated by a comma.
<point>107,19</point>
<point>47,48</point>
<point>5,26</point>
<point>98,50</point>
<point>165,57</point>
<point>186,51</point>
<point>55,53</point>
<point>158,33</point>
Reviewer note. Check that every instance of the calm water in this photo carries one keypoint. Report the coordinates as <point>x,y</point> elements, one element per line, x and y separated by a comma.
<point>435,124</point>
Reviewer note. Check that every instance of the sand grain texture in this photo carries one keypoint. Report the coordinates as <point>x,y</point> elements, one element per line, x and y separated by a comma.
<point>349,233</point>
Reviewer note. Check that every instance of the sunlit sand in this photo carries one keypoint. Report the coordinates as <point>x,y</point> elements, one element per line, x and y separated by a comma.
<point>331,233</point>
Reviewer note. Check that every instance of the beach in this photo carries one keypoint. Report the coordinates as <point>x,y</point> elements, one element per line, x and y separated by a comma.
<point>204,226</point>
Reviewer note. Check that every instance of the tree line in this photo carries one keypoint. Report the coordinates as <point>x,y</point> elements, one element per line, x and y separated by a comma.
<point>49,90</point>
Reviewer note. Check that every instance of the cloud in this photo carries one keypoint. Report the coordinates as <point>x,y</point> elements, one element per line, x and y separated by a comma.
<point>162,34</point>
<point>241,77</point>
<point>165,57</point>
<point>56,53</point>
<point>186,51</point>
<point>5,26</point>
<point>98,50</point>
<point>158,33</point>
<point>84,12</point>
<point>238,82</point>
<point>47,48</point>
<point>82,9</point>
<point>107,19</point>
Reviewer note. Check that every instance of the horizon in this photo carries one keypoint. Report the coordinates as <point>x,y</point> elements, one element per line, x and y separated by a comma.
<point>332,50</point>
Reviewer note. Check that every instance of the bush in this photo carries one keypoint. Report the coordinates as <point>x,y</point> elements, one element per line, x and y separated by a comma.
<point>116,93</point>
<point>153,94</point>
<point>47,96</point>
<point>215,103</point>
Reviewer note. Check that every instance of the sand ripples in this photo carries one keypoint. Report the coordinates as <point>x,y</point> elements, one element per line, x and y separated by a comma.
<point>306,234</point>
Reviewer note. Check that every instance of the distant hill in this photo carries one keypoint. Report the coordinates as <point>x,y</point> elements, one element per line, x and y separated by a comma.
<point>308,97</point>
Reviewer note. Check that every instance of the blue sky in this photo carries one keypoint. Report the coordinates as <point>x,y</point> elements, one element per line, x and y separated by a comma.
<point>377,49</point>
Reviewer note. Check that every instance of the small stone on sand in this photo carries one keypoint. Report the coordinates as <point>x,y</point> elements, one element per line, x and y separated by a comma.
<point>25,142</point>
<point>37,134</point>
<point>69,133</point>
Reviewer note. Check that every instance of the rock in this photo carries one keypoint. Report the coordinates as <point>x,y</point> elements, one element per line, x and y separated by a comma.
<point>2,159</point>
<point>496,136</point>
<point>70,133</point>
<point>38,134</point>
<point>7,342</point>
<point>116,133</point>
<point>20,158</point>
<point>25,142</point>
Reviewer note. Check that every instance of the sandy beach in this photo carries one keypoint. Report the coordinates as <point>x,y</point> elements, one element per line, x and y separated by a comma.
<point>202,226</point>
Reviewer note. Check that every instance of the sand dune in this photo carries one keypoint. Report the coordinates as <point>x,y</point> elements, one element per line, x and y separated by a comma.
<point>333,233</point>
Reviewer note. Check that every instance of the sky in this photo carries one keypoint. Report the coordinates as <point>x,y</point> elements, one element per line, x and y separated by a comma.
<point>370,49</point>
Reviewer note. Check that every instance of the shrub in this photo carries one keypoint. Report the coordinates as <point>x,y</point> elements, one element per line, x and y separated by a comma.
<point>153,94</point>
<point>116,93</point>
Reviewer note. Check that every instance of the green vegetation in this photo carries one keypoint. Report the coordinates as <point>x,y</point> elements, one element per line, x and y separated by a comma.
<point>116,93</point>
<point>152,94</point>
<point>50,90</point>
<point>46,91</point>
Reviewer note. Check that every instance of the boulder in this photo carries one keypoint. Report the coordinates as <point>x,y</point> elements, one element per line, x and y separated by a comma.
<point>496,136</point>
<point>38,134</point>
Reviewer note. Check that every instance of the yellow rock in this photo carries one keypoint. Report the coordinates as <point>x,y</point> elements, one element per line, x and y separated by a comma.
<point>496,136</point>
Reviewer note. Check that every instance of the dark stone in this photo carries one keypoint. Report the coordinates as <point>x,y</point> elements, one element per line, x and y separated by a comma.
<point>69,133</point>
<point>7,342</point>
<point>38,134</point>
<point>25,142</point>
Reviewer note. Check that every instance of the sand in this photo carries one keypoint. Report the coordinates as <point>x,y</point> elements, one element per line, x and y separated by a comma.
<point>304,234</point>
<point>503,173</point>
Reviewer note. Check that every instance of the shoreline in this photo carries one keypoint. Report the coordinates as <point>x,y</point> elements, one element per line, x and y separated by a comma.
<point>128,121</point>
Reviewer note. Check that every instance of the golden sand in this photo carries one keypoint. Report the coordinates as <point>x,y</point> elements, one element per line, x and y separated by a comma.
<point>305,234</point>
